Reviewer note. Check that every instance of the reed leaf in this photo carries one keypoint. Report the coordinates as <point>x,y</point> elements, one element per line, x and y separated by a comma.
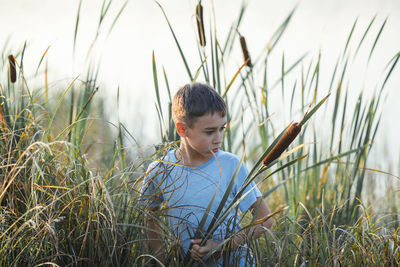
<point>395,59</point>
<point>308,115</point>
<point>233,79</point>
<point>290,69</point>
<point>76,26</point>
<point>41,59</point>
<point>364,35</point>
<point>349,37</point>
<point>176,41</point>
<point>156,88</point>
<point>117,17</point>
<point>376,39</point>
<point>276,36</point>
<point>233,30</point>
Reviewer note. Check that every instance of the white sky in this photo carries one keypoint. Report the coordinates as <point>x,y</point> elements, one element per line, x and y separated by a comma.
<point>125,56</point>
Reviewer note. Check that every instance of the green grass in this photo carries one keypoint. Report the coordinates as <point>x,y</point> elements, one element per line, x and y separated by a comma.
<point>69,185</point>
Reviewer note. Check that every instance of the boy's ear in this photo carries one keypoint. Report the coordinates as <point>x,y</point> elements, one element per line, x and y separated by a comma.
<point>181,129</point>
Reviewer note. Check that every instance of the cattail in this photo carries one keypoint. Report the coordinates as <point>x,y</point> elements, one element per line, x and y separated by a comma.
<point>245,51</point>
<point>13,72</point>
<point>200,24</point>
<point>3,122</point>
<point>283,143</point>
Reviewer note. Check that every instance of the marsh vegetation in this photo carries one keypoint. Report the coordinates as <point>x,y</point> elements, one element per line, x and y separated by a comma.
<point>70,178</point>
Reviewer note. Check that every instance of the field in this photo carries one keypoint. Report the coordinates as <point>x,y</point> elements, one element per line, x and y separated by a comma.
<point>70,174</point>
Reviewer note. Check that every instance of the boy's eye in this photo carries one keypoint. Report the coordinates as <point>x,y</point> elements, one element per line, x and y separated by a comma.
<point>213,131</point>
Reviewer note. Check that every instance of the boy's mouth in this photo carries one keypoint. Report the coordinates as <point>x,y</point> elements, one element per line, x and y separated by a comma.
<point>215,150</point>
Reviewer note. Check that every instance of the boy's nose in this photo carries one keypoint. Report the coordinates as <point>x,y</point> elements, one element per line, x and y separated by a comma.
<point>218,138</point>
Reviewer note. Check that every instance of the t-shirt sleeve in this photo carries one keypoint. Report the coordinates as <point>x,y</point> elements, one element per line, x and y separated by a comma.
<point>150,191</point>
<point>250,194</point>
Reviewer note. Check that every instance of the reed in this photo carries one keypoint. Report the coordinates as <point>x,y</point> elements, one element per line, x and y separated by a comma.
<point>283,143</point>
<point>245,51</point>
<point>321,182</point>
<point>13,71</point>
<point>200,24</point>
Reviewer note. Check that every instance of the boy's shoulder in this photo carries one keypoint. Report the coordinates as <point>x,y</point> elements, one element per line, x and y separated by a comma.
<point>228,157</point>
<point>163,162</point>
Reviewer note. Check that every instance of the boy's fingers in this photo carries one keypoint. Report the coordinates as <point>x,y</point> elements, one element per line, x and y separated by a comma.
<point>203,250</point>
<point>194,254</point>
<point>198,252</point>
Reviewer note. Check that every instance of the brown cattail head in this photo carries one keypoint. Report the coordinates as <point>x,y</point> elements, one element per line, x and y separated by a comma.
<point>13,72</point>
<point>2,121</point>
<point>200,25</point>
<point>246,55</point>
<point>283,143</point>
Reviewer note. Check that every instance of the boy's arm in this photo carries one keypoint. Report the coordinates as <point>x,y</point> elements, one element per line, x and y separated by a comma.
<point>260,210</point>
<point>241,237</point>
<point>154,236</point>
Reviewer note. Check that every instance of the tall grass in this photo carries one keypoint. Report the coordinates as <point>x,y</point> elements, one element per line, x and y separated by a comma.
<point>62,204</point>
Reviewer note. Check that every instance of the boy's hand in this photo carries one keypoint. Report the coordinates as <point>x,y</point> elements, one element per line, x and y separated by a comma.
<point>197,252</point>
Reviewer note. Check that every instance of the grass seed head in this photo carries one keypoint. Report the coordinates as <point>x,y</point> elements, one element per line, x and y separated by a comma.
<point>13,72</point>
<point>200,24</point>
<point>246,55</point>
<point>286,139</point>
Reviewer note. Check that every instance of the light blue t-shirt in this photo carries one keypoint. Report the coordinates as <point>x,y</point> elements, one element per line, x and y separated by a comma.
<point>187,191</point>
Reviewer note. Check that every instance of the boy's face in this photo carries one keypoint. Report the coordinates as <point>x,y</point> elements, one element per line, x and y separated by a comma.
<point>205,134</point>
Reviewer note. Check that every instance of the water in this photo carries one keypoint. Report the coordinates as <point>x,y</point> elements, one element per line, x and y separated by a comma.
<point>125,56</point>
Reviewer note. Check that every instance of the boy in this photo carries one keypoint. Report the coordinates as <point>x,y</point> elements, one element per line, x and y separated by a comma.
<point>187,178</point>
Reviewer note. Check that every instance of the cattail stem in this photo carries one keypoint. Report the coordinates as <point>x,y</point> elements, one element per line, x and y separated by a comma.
<point>245,51</point>
<point>13,72</point>
<point>286,139</point>
<point>200,25</point>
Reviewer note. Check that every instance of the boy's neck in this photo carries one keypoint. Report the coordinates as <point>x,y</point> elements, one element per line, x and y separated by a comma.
<point>189,157</point>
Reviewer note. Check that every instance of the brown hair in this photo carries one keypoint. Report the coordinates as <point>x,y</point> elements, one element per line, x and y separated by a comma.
<point>194,100</point>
